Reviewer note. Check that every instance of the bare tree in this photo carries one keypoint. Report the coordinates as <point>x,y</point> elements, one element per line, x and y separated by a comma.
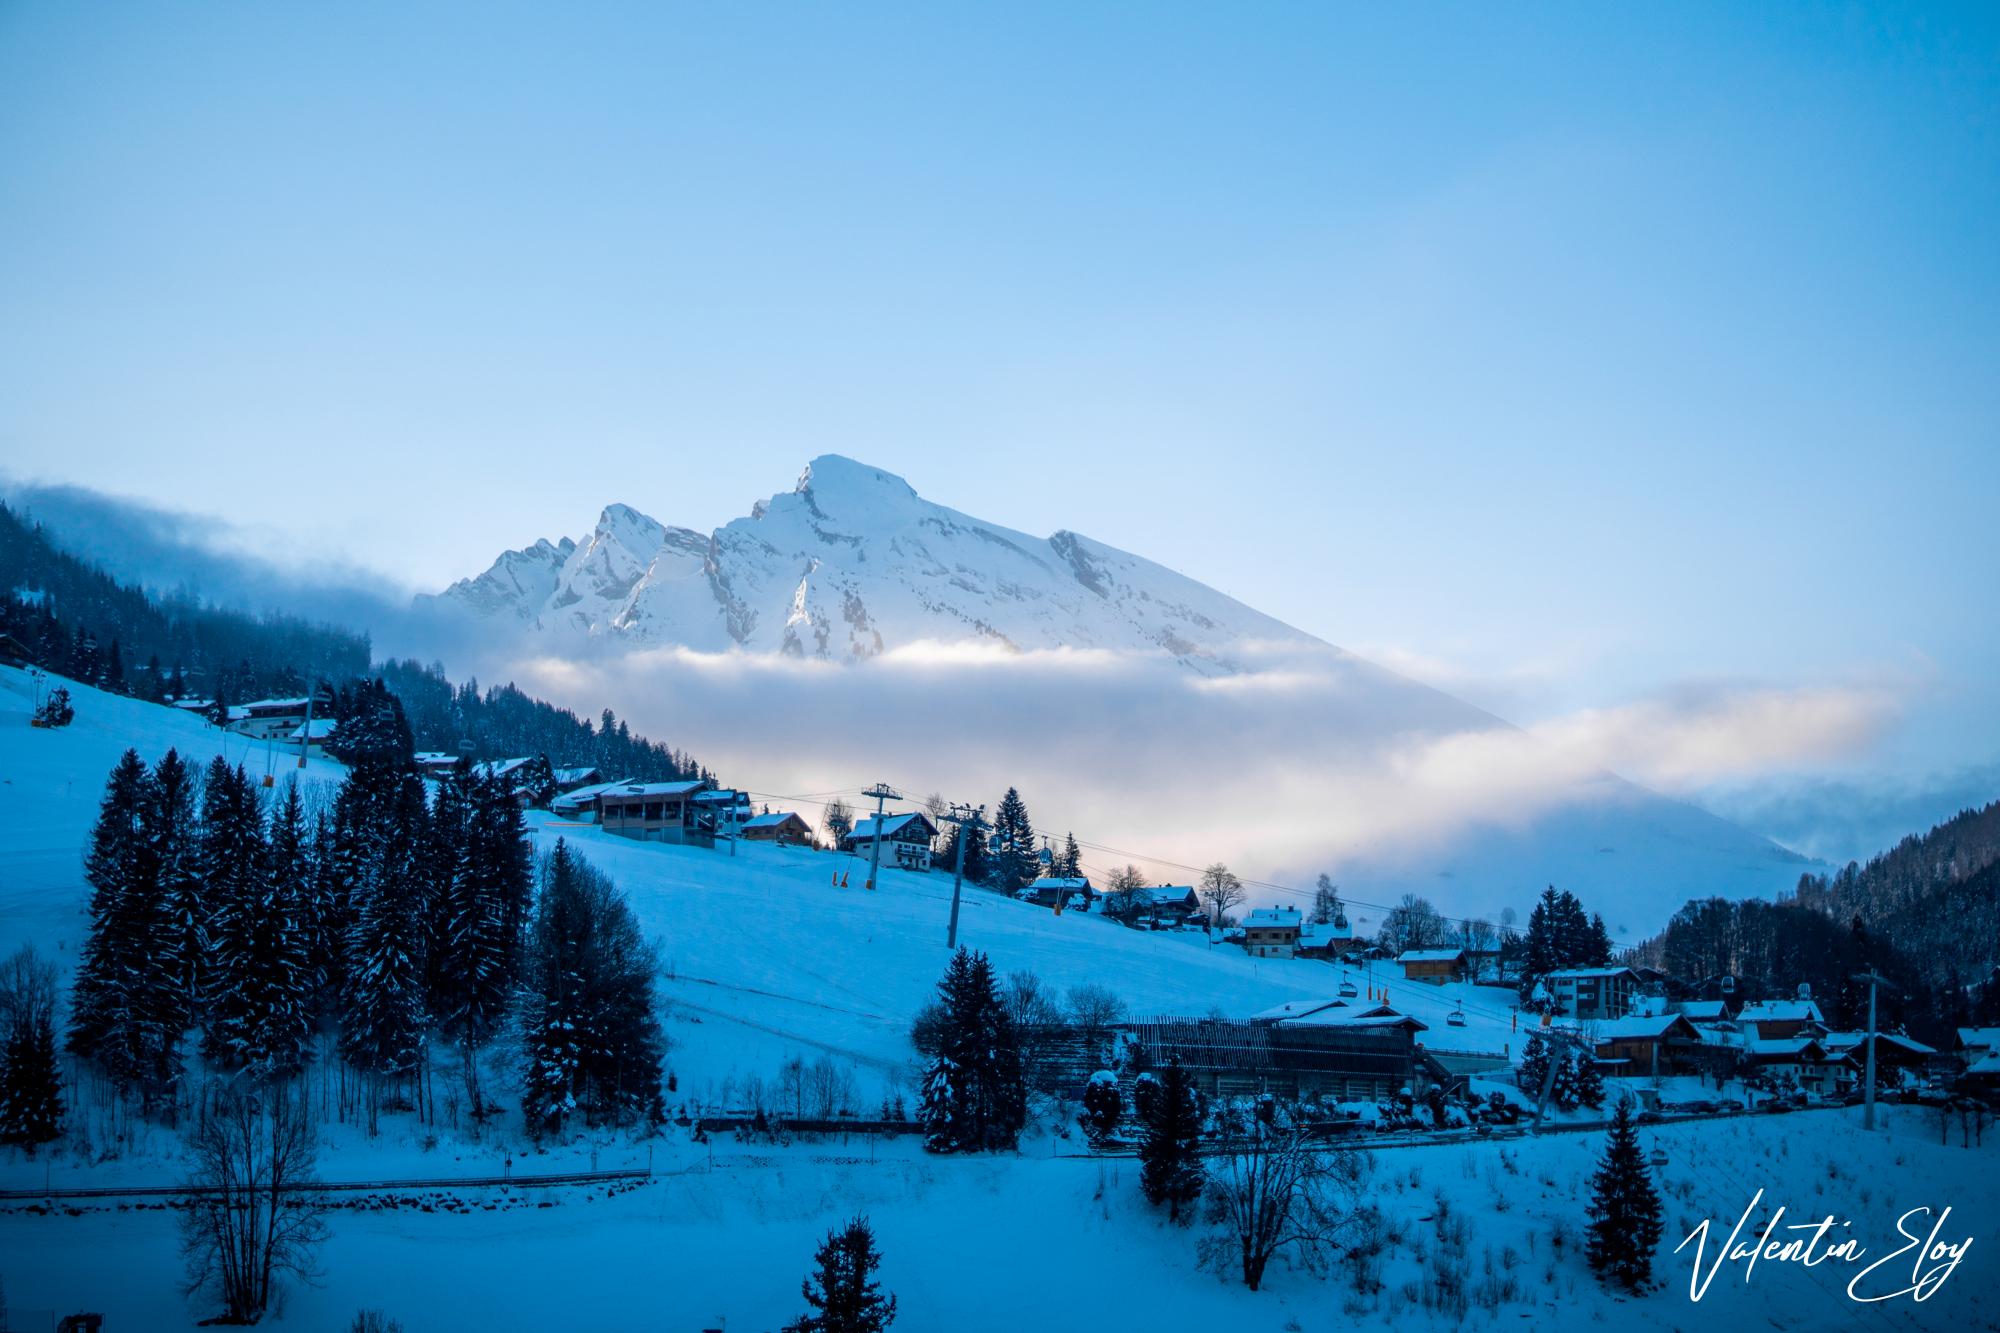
<point>250,1220</point>
<point>838,821</point>
<point>1093,1009</point>
<point>1411,924</point>
<point>1123,901</point>
<point>1038,1024</point>
<point>1281,1192</point>
<point>1219,891</point>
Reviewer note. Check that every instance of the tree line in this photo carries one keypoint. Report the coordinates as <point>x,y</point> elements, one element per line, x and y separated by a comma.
<point>365,933</point>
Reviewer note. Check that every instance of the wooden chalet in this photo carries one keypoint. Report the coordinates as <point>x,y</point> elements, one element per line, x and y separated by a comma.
<point>1644,1047</point>
<point>1433,967</point>
<point>656,811</point>
<point>781,827</point>
<point>1072,891</point>
<point>905,839</point>
<point>1331,1052</point>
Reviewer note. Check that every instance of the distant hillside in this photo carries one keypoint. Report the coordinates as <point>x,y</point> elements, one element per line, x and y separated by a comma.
<point>73,619</point>
<point>1937,894</point>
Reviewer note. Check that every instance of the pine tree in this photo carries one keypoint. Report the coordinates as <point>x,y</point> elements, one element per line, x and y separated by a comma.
<point>102,1001</point>
<point>236,895</point>
<point>936,1113</point>
<point>1598,950</point>
<point>1170,1170</point>
<point>842,1292</point>
<point>1014,860</point>
<point>1564,1091</point>
<point>591,1038</point>
<point>1534,1070</point>
<point>1625,1210</point>
<point>383,1018</point>
<point>1069,861</point>
<point>1588,1086</point>
<point>172,834</point>
<point>30,1079</point>
<point>30,1083</point>
<point>980,1040</point>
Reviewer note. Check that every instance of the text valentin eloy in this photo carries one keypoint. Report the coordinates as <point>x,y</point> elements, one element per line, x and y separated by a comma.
<point>1917,1268</point>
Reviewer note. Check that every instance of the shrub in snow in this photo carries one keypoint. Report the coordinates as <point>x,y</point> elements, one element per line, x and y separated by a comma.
<point>56,710</point>
<point>1102,1107</point>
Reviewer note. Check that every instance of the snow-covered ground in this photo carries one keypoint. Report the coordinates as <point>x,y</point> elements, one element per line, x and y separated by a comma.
<point>767,959</point>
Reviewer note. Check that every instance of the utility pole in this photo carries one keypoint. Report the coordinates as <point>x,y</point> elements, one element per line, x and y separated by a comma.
<point>1868,1111</point>
<point>881,791</point>
<point>960,816</point>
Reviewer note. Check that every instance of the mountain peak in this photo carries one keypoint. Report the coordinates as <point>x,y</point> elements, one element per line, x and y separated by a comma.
<point>834,477</point>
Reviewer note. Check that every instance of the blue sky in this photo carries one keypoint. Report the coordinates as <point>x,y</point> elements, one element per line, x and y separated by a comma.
<point>1562,359</point>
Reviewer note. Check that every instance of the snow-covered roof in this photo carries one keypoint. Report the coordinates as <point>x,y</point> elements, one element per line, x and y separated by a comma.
<point>772,820</point>
<point>1586,973</point>
<point>499,768</point>
<point>1637,1025</point>
<point>1167,895</point>
<point>1272,918</point>
<point>274,706</point>
<point>891,825</point>
<point>1324,932</point>
<point>567,776</point>
<point>1380,1016</point>
<point>652,788</point>
<point>1294,1009</point>
<point>582,796</point>
<point>1780,1047</point>
<point>1430,955</point>
<point>1985,1066</point>
<point>1049,884</point>
<point>1978,1038</point>
<point>1845,1041</point>
<point>1780,1011</point>
<point>1704,1011</point>
<point>428,758</point>
<point>320,728</point>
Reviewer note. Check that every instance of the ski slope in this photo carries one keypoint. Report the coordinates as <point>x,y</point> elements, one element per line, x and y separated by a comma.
<point>765,956</point>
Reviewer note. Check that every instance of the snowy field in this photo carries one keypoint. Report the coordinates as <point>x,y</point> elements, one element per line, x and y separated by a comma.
<point>767,959</point>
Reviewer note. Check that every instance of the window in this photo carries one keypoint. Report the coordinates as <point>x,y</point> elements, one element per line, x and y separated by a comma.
<point>652,809</point>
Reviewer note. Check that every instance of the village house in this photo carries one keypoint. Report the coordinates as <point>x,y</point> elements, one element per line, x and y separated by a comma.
<point>1328,941</point>
<point>1906,1056</point>
<point>1072,891</point>
<point>581,804</point>
<point>656,812</point>
<point>1704,1013</point>
<point>569,779</point>
<point>311,734</point>
<point>722,810</point>
<point>1592,993</point>
<point>1774,1019</point>
<point>905,838</point>
<point>269,719</point>
<point>1805,1060</point>
<point>1168,907</point>
<point>1975,1044</point>
<point>1643,1046</point>
<point>1433,967</point>
<point>1328,1051</point>
<point>1272,932</point>
<point>435,763</point>
<point>782,827</point>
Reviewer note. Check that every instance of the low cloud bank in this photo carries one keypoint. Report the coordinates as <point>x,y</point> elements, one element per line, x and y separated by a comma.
<point>1311,761</point>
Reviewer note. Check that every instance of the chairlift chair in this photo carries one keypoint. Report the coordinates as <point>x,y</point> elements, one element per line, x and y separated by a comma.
<point>1456,1018</point>
<point>1348,990</point>
<point>1659,1157</point>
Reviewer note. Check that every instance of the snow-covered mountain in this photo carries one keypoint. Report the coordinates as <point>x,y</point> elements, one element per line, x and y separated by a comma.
<point>1334,760</point>
<point>852,562</point>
